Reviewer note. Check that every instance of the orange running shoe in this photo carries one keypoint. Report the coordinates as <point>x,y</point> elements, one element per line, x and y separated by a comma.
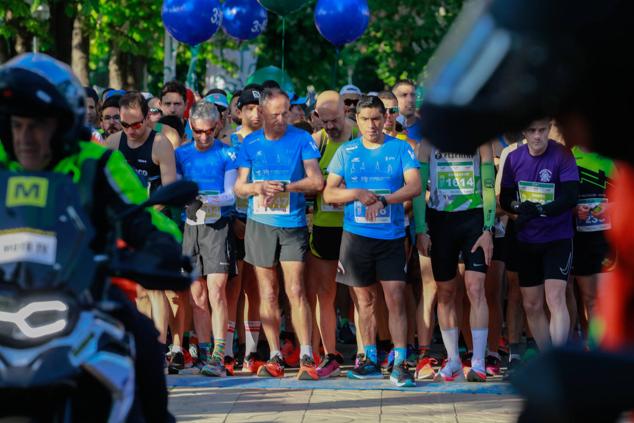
<point>272,368</point>
<point>252,363</point>
<point>307,369</point>
<point>230,364</point>
<point>424,369</point>
<point>290,352</point>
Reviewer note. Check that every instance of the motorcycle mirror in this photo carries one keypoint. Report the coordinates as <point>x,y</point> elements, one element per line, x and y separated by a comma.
<point>176,194</point>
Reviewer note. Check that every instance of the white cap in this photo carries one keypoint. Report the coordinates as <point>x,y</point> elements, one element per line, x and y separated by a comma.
<point>147,96</point>
<point>350,89</point>
<point>373,94</point>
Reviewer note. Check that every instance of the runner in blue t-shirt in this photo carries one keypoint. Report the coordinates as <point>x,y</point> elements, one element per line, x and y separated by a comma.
<point>380,173</point>
<point>208,236</point>
<point>277,165</point>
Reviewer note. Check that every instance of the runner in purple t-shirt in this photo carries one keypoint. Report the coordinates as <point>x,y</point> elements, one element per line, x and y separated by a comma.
<point>540,183</point>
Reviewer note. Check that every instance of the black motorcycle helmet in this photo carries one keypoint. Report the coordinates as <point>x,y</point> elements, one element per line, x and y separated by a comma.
<point>507,62</point>
<point>36,85</point>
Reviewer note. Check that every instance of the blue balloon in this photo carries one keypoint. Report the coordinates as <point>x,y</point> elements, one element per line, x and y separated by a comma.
<point>342,21</point>
<point>192,21</point>
<point>243,19</point>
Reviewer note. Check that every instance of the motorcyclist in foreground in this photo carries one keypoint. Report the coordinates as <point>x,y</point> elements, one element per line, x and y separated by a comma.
<point>41,125</point>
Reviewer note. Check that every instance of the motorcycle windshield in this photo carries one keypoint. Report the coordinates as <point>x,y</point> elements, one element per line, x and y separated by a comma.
<point>44,233</point>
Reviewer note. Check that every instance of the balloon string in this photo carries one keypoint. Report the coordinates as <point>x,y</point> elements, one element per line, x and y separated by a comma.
<point>283,46</point>
<point>334,68</point>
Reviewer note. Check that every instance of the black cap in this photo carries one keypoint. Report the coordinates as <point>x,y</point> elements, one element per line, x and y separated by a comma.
<point>249,96</point>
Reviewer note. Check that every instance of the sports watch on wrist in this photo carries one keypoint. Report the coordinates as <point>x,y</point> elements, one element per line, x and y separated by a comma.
<point>383,201</point>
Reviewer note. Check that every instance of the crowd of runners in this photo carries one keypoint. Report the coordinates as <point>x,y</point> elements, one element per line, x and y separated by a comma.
<point>336,223</point>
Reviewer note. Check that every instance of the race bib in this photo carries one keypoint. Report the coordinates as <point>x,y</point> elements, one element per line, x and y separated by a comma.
<point>592,215</point>
<point>384,216</point>
<point>281,204</point>
<point>242,204</point>
<point>456,178</point>
<point>329,208</point>
<point>537,192</point>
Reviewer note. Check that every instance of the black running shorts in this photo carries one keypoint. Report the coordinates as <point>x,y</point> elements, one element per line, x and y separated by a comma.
<point>541,261</point>
<point>325,242</point>
<point>592,254</point>
<point>365,261</point>
<point>453,233</point>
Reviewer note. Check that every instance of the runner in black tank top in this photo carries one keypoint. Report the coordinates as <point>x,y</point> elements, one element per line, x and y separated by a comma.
<point>140,159</point>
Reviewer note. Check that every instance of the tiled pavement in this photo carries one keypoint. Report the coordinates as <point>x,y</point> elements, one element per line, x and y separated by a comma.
<point>240,402</point>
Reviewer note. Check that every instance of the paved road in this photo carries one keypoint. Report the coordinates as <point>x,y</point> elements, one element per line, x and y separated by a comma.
<point>247,399</point>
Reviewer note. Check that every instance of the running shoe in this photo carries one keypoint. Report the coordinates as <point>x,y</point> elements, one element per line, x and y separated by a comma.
<point>476,375</point>
<point>290,352</point>
<point>307,369</point>
<point>512,368</point>
<point>177,363</point>
<point>492,364</point>
<point>330,366</point>
<point>388,362</point>
<point>252,363</point>
<point>450,372</point>
<point>358,359</point>
<point>402,377</point>
<point>365,370</point>
<point>412,356</point>
<point>193,352</point>
<point>230,364</point>
<point>466,358</point>
<point>424,367</point>
<point>214,368</point>
<point>531,350</point>
<point>272,368</point>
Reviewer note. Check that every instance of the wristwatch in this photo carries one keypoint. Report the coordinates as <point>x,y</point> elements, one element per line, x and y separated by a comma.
<point>490,229</point>
<point>383,201</point>
<point>284,183</point>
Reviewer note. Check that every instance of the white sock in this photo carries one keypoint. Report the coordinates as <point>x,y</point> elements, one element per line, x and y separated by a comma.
<point>231,328</point>
<point>479,347</point>
<point>306,350</point>
<point>251,335</point>
<point>450,339</point>
<point>176,349</point>
<point>275,352</point>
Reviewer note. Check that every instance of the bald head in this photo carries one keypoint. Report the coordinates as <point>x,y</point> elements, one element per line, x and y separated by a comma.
<point>329,100</point>
<point>329,109</point>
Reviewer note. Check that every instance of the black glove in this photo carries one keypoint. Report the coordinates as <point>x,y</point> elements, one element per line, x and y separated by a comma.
<point>192,208</point>
<point>529,209</point>
<point>526,211</point>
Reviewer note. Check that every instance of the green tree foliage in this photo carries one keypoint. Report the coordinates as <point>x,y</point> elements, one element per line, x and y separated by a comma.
<point>398,43</point>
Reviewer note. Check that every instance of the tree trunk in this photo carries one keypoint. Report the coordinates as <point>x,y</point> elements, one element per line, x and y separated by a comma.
<point>116,71</point>
<point>80,53</point>
<point>5,52</point>
<point>22,42</point>
<point>61,28</point>
<point>136,79</point>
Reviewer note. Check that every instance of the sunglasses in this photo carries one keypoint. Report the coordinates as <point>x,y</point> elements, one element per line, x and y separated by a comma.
<point>135,125</point>
<point>392,110</point>
<point>207,132</point>
<point>154,111</point>
<point>350,102</point>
